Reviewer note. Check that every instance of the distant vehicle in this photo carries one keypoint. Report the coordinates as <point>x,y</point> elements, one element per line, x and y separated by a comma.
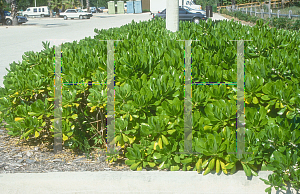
<point>8,18</point>
<point>100,9</point>
<point>125,7</point>
<point>158,5</point>
<point>37,11</point>
<point>89,14</point>
<point>194,10</point>
<point>184,15</point>
<point>73,13</point>
<point>93,9</point>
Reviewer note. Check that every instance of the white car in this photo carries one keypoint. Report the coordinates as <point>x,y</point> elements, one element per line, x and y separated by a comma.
<point>194,10</point>
<point>73,13</point>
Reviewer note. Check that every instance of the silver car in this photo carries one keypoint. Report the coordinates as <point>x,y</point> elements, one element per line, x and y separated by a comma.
<point>194,10</point>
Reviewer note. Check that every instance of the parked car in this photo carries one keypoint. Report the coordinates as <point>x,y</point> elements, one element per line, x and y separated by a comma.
<point>184,15</point>
<point>89,14</point>
<point>194,10</point>
<point>37,11</point>
<point>8,18</point>
<point>93,9</point>
<point>101,9</point>
<point>73,13</point>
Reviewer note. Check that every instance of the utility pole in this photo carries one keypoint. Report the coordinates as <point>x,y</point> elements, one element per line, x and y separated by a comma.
<point>172,15</point>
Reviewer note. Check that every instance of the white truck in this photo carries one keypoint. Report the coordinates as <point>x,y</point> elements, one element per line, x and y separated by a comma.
<point>159,5</point>
<point>37,11</point>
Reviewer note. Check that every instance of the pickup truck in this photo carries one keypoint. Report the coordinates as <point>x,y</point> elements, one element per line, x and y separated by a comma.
<point>8,19</point>
<point>73,13</point>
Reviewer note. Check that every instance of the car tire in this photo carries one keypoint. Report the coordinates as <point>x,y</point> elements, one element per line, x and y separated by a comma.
<point>80,17</point>
<point>196,20</point>
<point>65,17</point>
<point>8,22</point>
<point>42,15</point>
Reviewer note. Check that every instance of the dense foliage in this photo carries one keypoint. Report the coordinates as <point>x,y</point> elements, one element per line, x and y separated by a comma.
<point>149,97</point>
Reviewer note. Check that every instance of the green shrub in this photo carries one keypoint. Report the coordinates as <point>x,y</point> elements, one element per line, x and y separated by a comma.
<point>149,96</point>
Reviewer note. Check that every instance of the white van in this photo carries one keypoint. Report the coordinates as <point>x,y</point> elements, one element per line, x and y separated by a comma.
<point>37,11</point>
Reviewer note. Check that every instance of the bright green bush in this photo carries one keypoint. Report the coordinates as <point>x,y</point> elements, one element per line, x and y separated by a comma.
<point>149,98</point>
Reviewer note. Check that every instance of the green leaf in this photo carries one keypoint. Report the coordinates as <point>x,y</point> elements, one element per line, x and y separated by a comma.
<point>165,140</point>
<point>255,100</point>
<point>151,164</point>
<point>246,169</point>
<point>174,168</point>
<point>177,159</point>
<point>265,97</point>
<point>134,166</point>
<point>186,160</point>
<point>281,111</point>
<point>212,164</point>
<point>156,156</point>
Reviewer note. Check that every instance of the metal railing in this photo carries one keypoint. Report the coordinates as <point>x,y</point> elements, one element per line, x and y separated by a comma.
<point>262,13</point>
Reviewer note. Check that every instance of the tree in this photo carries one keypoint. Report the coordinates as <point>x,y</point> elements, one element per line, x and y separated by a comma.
<point>14,11</point>
<point>2,11</point>
<point>88,6</point>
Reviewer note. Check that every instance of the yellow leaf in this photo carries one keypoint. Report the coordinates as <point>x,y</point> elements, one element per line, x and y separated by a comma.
<point>198,165</point>
<point>118,83</point>
<point>17,93</point>
<point>206,171</point>
<point>139,168</point>
<point>217,166</point>
<point>75,116</point>
<point>65,137</point>
<point>36,134</point>
<point>41,91</point>
<point>19,119</point>
<point>76,104</point>
<point>223,167</point>
<point>160,143</point>
<point>40,117</point>
<point>154,146</point>
<point>130,118</point>
<point>93,108</point>
<point>281,105</point>
<point>131,140</point>
<point>247,102</point>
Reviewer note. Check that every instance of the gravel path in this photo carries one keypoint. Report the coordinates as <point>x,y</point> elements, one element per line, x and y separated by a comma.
<point>37,157</point>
